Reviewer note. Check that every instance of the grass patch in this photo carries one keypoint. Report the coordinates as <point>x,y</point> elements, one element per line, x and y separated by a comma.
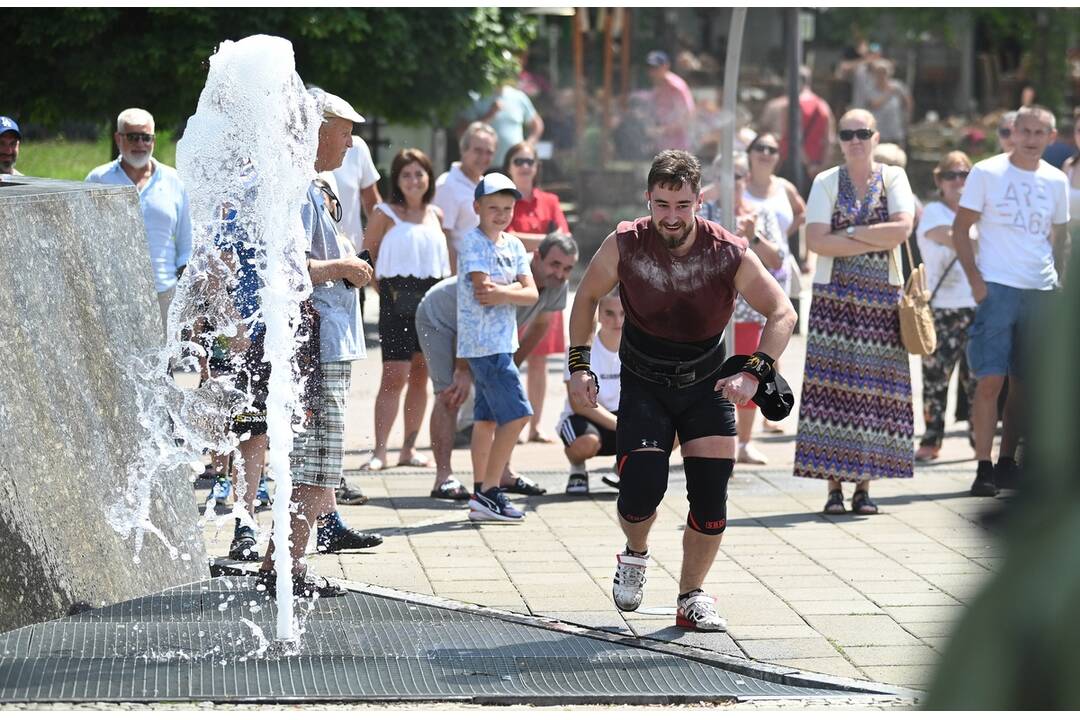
<point>73,159</point>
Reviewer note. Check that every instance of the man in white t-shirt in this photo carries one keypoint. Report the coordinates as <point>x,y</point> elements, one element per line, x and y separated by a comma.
<point>590,431</point>
<point>356,188</point>
<point>1020,204</point>
<point>454,188</point>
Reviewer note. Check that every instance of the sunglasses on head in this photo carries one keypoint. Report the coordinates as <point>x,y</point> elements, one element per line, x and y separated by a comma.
<point>1004,132</point>
<point>524,161</point>
<point>953,175</point>
<point>135,137</point>
<point>766,149</point>
<point>861,133</point>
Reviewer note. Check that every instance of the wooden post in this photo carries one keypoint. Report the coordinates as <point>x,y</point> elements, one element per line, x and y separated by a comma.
<point>579,77</point>
<point>609,69</point>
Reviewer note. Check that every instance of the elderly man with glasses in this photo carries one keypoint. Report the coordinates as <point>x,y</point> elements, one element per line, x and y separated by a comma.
<point>162,198</point>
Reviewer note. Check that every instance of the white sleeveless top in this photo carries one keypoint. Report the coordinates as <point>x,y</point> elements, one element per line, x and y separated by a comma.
<point>412,249</point>
<point>778,202</point>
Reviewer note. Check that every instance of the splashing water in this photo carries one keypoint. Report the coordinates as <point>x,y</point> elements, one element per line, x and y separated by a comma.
<point>247,159</point>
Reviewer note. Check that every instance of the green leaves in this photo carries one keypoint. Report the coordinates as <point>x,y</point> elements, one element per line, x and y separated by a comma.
<point>406,65</point>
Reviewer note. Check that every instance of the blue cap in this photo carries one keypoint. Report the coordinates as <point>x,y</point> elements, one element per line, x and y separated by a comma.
<point>9,125</point>
<point>656,58</point>
<point>493,183</point>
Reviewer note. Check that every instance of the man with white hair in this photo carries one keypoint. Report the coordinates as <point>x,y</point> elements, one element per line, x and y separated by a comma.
<point>162,198</point>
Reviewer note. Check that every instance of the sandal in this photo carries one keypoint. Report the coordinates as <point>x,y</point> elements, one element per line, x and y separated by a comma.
<point>374,464</point>
<point>862,504</point>
<point>522,485</point>
<point>450,489</point>
<point>417,460</point>
<point>541,438</point>
<point>926,453</point>
<point>834,505</point>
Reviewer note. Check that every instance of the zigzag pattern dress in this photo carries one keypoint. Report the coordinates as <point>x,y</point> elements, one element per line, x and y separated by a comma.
<point>855,416</point>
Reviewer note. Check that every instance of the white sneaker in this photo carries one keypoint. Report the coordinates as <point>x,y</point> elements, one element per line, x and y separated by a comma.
<point>697,613</point>
<point>629,585</point>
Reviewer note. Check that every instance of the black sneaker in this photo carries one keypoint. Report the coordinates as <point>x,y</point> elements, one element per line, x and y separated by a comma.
<point>984,483</point>
<point>345,539</point>
<point>243,545</point>
<point>347,496</point>
<point>577,484</point>
<point>1006,474</point>
<point>303,585</point>
<point>523,486</point>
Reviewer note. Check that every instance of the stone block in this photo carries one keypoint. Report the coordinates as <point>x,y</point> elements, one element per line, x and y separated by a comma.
<point>77,302</point>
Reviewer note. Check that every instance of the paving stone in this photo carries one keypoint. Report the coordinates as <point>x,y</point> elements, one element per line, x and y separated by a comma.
<point>771,632</point>
<point>817,594</point>
<point>861,630</point>
<point>829,666</point>
<point>926,613</point>
<point>910,599</point>
<point>836,607</point>
<point>917,677</point>
<point>898,655</point>
<point>926,630</point>
<point>785,648</point>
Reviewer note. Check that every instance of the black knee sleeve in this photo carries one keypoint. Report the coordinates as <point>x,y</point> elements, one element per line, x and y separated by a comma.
<point>643,477</point>
<point>706,489</point>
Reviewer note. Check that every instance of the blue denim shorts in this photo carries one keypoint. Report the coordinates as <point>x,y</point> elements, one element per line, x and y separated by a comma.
<point>500,396</point>
<point>996,340</point>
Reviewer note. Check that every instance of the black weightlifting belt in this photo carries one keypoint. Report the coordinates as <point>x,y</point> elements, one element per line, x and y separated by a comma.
<point>675,374</point>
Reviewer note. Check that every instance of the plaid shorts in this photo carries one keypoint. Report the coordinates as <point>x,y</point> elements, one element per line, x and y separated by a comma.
<point>318,452</point>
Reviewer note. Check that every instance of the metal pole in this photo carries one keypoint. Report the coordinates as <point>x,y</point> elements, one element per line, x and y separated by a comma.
<point>794,114</point>
<point>727,139</point>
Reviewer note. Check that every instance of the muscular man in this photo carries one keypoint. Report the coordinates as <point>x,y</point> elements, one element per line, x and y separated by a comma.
<point>678,276</point>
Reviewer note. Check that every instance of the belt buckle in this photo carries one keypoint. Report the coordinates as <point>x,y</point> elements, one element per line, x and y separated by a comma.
<point>682,379</point>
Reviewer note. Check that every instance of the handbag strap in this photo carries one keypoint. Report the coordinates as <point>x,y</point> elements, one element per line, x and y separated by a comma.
<point>943,276</point>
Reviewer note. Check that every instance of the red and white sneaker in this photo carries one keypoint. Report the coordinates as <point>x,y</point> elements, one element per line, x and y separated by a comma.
<point>697,613</point>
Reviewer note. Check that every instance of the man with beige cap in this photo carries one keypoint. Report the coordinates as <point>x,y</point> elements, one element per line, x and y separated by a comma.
<point>336,273</point>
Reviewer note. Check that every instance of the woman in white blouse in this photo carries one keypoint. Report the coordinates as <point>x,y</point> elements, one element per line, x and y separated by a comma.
<point>951,301</point>
<point>410,250</point>
<point>855,414</point>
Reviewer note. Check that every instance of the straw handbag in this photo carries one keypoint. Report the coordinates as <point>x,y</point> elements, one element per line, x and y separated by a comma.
<point>916,318</point>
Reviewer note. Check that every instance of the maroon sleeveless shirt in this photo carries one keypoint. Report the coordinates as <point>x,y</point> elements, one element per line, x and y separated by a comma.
<point>683,299</point>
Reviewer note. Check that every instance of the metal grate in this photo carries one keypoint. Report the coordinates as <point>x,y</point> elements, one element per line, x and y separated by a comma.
<point>191,643</point>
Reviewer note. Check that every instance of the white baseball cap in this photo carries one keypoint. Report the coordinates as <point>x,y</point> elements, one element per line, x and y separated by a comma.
<point>493,183</point>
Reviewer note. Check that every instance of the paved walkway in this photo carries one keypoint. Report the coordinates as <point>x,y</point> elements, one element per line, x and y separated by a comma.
<point>863,597</point>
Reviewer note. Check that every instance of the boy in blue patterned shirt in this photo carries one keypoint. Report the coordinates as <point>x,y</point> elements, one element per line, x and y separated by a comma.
<point>494,275</point>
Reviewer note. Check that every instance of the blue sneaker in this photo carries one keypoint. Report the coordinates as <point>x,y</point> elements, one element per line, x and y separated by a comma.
<point>493,505</point>
<point>262,496</point>
<point>222,490</point>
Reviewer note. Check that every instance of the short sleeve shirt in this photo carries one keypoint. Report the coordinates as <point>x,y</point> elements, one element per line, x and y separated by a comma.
<point>490,330</point>
<point>1017,211</point>
<point>454,196</point>
<point>341,332</point>
<point>439,306</point>
<point>509,123</point>
<point>357,172</point>
<point>953,291</point>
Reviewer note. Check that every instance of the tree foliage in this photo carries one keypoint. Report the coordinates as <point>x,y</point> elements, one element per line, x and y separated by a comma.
<point>405,65</point>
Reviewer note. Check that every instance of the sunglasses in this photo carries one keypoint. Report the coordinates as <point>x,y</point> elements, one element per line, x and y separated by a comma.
<point>1004,132</point>
<point>740,176</point>
<point>136,137</point>
<point>861,133</point>
<point>524,161</point>
<point>766,149</point>
<point>953,175</point>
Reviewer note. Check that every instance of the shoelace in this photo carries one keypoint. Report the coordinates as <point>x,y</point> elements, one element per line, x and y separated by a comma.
<point>698,607</point>
<point>630,575</point>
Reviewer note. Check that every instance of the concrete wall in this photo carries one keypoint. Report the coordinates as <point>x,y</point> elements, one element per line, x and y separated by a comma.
<point>76,299</point>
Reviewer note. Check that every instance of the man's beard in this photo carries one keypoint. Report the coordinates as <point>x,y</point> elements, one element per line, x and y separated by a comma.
<point>673,242</point>
<point>6,166</point>
<point>136,161</point>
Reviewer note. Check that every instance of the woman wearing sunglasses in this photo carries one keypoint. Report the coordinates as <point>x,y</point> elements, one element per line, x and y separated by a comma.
<point>855,416</point>
<point>536,214</point>
<point>764,188</point>
<point>951,301</point>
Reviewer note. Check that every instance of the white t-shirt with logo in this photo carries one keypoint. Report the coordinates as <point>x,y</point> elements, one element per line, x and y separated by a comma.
<point>357,172</point>
<point>607,366</point>
<point>954,291</point>
<point>1018,209</point>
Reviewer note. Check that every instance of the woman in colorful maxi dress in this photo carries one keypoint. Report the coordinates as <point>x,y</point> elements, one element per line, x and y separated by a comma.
<point>855,416</point>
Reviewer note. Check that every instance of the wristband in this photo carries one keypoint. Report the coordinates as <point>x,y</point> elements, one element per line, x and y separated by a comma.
<point>578,357</point>
<point>760,366</point>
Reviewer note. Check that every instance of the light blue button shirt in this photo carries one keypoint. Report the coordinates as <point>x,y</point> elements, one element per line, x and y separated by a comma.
<point>166,215</point>
<point>341,330</point>
<point>491,329</point>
